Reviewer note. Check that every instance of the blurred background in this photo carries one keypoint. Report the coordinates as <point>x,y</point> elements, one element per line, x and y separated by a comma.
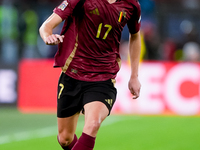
<point>169,73</point>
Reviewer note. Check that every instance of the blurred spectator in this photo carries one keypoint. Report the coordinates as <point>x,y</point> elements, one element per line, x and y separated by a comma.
<point>152,41</point>
<point>148,9</point>
<point>9,32</point>
<point>149,30</point>
<point>123,50</point>
<point>30,34</point>
<point>189,30</point>
<point>190,41</point>
<point>191,52</point>
<point>44,9</point>
<point>191,4</point>
<point>43,12</point>
<point>167,50</point>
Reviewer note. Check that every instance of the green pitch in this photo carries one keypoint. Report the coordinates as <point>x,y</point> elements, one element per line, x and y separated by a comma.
<point>38,132</point>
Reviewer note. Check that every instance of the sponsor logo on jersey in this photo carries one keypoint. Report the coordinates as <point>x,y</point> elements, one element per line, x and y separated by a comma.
<point>95,11</point>
<point>63,5</point>
<point>122,16</point>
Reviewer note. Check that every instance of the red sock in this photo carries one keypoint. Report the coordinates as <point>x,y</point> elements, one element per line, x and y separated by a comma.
<point>69,147</point>
<point>85,142</point>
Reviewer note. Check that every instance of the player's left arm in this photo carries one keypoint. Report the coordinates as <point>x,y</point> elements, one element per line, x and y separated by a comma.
<point>134,24</point>
<point>134,50</point>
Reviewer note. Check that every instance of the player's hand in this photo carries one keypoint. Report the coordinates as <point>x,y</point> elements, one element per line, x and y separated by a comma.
<point>134,87</point>
<point>54,39</point>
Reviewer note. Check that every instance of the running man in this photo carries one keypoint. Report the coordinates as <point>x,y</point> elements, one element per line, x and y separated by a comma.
<point>88,53</point>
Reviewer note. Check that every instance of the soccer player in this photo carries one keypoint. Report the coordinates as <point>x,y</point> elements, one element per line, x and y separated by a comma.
<point>88,53</point>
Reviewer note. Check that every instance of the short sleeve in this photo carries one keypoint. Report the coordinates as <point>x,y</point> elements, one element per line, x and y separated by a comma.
<point>134,22</point>
<point>65,9</point>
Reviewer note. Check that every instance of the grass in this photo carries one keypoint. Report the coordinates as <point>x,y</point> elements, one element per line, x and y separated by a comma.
<point>118,132</point>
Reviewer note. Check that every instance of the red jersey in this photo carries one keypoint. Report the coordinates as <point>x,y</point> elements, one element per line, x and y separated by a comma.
<point>90,50</point>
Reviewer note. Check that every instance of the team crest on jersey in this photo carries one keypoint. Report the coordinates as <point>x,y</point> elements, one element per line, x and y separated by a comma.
<point>63,5</point>
<point>122,16</point>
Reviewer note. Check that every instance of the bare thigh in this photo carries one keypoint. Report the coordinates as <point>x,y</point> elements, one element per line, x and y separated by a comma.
<point>95,113</point>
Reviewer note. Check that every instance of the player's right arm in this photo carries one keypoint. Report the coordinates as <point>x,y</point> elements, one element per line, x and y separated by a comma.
<point>46,30</point>
<point>61,13</point>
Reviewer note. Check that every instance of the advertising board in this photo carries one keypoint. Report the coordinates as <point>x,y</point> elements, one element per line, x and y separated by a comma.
<point>167,88</point>
<point>8,85</point>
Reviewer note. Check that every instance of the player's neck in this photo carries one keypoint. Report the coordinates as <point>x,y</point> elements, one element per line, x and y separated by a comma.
<point>111,1</point>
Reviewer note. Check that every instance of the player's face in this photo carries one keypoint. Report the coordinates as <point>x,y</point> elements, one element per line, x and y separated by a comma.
<point>111,1</point>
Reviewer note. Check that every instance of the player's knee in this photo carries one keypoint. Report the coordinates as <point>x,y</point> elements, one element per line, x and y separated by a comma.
<point>93,126</point>
<point>64,140</point>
